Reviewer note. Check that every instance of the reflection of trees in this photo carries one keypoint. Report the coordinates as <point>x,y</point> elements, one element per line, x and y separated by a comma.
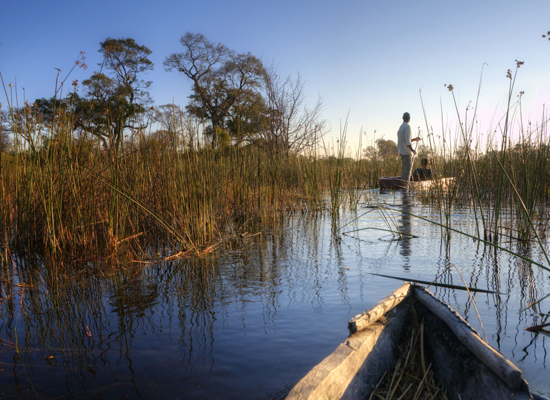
<point>78,326</point>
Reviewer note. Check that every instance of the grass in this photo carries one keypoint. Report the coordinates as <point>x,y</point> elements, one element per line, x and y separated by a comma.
<point>67,199</point>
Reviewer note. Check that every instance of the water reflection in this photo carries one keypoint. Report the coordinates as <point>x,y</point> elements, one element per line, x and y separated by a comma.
<point>249,320</point>
<point>405,229</point>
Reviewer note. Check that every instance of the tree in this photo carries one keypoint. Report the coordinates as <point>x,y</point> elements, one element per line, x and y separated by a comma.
<point>370,153</point>
<point>220,76</point>
<point>291,125</point>
<point>118,98</point>
<point>54,112</point>
<point>425,151</point>
<point>6,144</point>
<point>21,123</point>
<point>247,118</point>
<point>386,148</point>
<point>172,120</point>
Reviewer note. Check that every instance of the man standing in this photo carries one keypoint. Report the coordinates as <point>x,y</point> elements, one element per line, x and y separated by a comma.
<point>404,146</point>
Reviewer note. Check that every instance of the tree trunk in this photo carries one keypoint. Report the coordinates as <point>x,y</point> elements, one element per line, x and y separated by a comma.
<point>215,125</point>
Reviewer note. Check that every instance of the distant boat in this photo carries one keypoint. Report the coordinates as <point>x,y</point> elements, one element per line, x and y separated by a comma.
<point>396,183</point>
<point>463,365</point>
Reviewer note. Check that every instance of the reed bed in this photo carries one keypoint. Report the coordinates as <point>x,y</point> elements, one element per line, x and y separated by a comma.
<point>68,199</point>
<point>504,178</point>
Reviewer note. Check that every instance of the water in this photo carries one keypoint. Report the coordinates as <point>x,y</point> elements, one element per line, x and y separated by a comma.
<point>250,320</point>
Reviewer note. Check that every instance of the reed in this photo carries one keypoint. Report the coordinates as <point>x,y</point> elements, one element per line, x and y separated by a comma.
<point>411,378</point>
<point>505,180</point>
<point>71,201</point>
<point>68,199</point>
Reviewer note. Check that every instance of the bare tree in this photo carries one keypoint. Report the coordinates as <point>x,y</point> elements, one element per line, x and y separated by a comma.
<point>173,120</point>
<point>292,126</point>
<point>5,141</point>
<point>22,125</point>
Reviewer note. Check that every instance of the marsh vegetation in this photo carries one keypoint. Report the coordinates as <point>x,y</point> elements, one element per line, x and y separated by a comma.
<point>121,219</point>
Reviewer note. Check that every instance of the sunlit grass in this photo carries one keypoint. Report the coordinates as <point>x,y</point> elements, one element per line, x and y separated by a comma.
<point>67,198</point>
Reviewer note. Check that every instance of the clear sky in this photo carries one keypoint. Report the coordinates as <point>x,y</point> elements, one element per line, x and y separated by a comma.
<point>366,58</point>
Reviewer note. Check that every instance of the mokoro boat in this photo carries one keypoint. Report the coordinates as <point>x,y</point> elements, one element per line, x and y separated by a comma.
<point>396,183</point>
<point>464,366</point>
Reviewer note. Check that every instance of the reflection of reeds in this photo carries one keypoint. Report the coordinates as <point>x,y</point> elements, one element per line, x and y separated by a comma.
<point>88,325</point>
<point>77,324</point>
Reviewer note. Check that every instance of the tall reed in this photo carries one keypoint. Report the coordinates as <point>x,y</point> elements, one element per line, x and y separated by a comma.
<point>505,180</point>
<point>68,198</point>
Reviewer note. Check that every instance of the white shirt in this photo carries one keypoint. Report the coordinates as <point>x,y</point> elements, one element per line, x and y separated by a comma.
<point>404,139</point>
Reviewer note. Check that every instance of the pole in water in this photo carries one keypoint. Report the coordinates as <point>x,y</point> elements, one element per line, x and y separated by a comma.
<point>412,163</point>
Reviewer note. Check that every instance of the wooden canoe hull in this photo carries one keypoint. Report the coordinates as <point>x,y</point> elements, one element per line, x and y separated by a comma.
<point>465,366</point>
<point>396,183</point>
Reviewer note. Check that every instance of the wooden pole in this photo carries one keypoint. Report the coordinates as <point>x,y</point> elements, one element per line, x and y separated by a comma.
<point>412,163</point>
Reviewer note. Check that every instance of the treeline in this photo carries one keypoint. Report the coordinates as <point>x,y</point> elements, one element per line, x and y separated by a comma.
<point>235,99</point>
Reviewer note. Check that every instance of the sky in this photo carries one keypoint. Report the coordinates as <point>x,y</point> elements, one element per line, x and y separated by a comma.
<point>367,60</point>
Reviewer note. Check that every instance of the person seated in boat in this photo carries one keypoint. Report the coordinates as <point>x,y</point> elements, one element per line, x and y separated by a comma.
<point>424,173</point>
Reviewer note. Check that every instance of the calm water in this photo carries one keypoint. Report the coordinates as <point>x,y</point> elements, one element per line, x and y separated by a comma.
<point>249,321</point>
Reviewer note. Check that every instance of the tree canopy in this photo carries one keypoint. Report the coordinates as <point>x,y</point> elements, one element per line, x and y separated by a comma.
<point>118,97</point>
<point>221,78</point>
<point>384,149</point>
<point>234,96</point>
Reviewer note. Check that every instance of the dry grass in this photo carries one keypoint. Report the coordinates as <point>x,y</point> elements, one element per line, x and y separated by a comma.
<point>411,379</point>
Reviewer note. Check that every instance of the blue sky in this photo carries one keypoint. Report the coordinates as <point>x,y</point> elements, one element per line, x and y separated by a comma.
<point>365,58</point>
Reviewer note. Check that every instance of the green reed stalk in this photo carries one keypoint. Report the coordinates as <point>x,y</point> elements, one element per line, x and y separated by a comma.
<point>3,216</point>
<point>475,238</point>
<point>183,242</point>
<point>527,215</point>
<point>335,175</point>
<point>498,203</point>
<point>446,201</point>
<point>469,158</point>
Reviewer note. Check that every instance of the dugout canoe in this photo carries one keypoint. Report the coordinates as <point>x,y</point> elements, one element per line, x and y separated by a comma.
<point>464,365</point>
<point>396,183</point>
